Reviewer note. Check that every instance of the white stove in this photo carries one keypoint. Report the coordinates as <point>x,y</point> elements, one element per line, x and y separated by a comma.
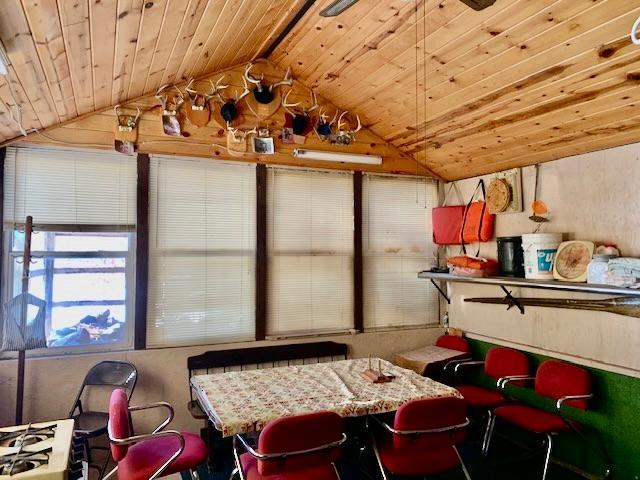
<point>36,451</point>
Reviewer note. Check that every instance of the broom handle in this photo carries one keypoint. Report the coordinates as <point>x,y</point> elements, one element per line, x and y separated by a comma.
<point>26,264</point>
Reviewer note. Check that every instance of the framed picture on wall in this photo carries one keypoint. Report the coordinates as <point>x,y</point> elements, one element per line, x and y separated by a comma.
<point>264,145</point>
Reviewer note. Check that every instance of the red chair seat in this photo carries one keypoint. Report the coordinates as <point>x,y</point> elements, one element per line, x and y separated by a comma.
<point>144,458</point>
<point>531,419</point>
<point>320,472</point>
<point>480,397</point>
<point>415,461</point>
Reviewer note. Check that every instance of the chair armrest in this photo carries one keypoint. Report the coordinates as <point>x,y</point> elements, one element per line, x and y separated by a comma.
<point>149,406</point>
<point>470,363</point>
<point>270,456</point>
<point>393,431</point>
<point>572,397</point>
<point>139,438</point>
<point>504,381</point>
<point>453,363</point>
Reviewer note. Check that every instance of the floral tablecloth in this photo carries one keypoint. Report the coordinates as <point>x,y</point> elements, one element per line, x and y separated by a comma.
<point>241,402</point>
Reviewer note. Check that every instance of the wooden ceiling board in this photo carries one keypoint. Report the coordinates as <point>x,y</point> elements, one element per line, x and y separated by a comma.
<point>97,130</point>
<point>521,79</point>
<point>70,58</point>
<point>461,91</point>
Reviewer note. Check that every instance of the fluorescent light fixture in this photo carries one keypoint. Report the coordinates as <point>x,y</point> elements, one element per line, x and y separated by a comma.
<point>337,7</point>
<point>337,157</point>
<point>4,61</point>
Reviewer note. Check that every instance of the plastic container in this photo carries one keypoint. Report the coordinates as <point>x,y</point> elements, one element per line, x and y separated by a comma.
<point>598,269</point>
<point>510,256</point>
<point>539,252</point>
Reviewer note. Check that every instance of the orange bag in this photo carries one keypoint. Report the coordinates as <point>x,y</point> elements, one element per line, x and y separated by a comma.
<point>477,223</point>
<point>467,266</point>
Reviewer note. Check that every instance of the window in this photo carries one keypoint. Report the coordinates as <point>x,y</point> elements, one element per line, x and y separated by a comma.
<point>83,206</point>
<point>201,252</point>
<point>396,236</point>
<point>310,243</point>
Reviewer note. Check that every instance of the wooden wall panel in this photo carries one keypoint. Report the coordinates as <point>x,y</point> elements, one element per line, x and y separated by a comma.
<point>96,130</point>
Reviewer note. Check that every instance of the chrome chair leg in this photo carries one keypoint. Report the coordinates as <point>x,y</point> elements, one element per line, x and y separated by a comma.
<point>548,456</point>
<point>380,465</point>
<point>233,473</point>
<point>488,434</point>
<point>462,465</point>
<point>110,474</point>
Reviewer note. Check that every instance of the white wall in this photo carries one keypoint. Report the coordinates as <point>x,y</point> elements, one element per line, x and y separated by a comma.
<point>52,382</point>
<point>594,197</point>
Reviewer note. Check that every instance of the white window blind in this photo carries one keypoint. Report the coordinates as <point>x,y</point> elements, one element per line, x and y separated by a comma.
<point>69,187</point>
<point>397,244</point>
<point>201,252</point>
<point>310,235</point>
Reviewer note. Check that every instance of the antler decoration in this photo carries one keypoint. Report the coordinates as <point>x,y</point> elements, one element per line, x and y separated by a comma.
<point>229,109</point>
<point>126,122</point>
<point>170,107</point>
<point>126,136</point>
<point>300,117</point>
<point>345,136</point>
<point>262,92</point>
<point>240,136</point>
<point>324,126</point>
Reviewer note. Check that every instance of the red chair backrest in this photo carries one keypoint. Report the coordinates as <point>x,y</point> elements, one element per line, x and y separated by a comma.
<point>556,379</point>
<point>119,422</point>
<point>428,414</point>
<point>301,432</point>
<point>504,362</point>
<point>453,342</point>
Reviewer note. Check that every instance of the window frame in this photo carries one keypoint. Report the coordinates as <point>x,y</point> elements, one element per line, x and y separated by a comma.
<point>129,255</point>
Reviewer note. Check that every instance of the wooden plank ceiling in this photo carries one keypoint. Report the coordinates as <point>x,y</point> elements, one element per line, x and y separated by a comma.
<point>463,92</point>
<point>467,92</point>
<point>71,57</point>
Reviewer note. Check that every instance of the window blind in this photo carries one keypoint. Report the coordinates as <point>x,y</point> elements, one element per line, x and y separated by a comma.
<point>310,238</point>
<point>397,244</point>
<point>69,187</point>
<point>201,252</point>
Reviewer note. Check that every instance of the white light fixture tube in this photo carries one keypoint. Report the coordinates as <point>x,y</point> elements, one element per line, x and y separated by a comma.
<point>634,32</point>
<point>4,62</point>
<point>337,157</point>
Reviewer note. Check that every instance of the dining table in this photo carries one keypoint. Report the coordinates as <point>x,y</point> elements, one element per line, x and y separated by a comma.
<point>245,401</point>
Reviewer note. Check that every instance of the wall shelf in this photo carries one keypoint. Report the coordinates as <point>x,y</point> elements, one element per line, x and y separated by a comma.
<point>504,282</point>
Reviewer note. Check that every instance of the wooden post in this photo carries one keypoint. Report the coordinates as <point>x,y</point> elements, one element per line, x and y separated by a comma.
<point>358,294</point>
<point>142,252</point>
<point>26,259</point>
<point>261,252</point>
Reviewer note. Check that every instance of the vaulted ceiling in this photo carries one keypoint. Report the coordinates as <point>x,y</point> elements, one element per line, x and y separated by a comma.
<point>463,92</point>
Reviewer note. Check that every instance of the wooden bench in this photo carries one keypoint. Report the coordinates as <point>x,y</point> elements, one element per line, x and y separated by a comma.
<point>238,359</point>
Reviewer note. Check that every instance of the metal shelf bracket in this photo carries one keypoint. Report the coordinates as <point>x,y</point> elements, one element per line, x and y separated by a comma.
<point>442,292</point>
<point>511,300</point>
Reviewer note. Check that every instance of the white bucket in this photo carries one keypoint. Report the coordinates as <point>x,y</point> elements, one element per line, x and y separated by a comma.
<point>539,253</point>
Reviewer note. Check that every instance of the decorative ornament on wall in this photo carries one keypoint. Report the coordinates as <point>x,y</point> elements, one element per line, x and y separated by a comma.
<point>171,110</point>
<point>229,112</point>
<point>197,105</point>
<point>504,193</point>
<point>572,261</point>
<point>237,140</point>
<point>265,100</point>
<point>324,126</point>
<point>126,135</point>
<point>298,121</point>
<point>346,133</point>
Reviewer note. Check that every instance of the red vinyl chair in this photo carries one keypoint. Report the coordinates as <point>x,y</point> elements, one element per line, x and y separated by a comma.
<point>566,384</point>
<point>423,438</point>
<point>500,363</point>
<point>302,447</point>
<point>453,342</point>
<point>154,455</point>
